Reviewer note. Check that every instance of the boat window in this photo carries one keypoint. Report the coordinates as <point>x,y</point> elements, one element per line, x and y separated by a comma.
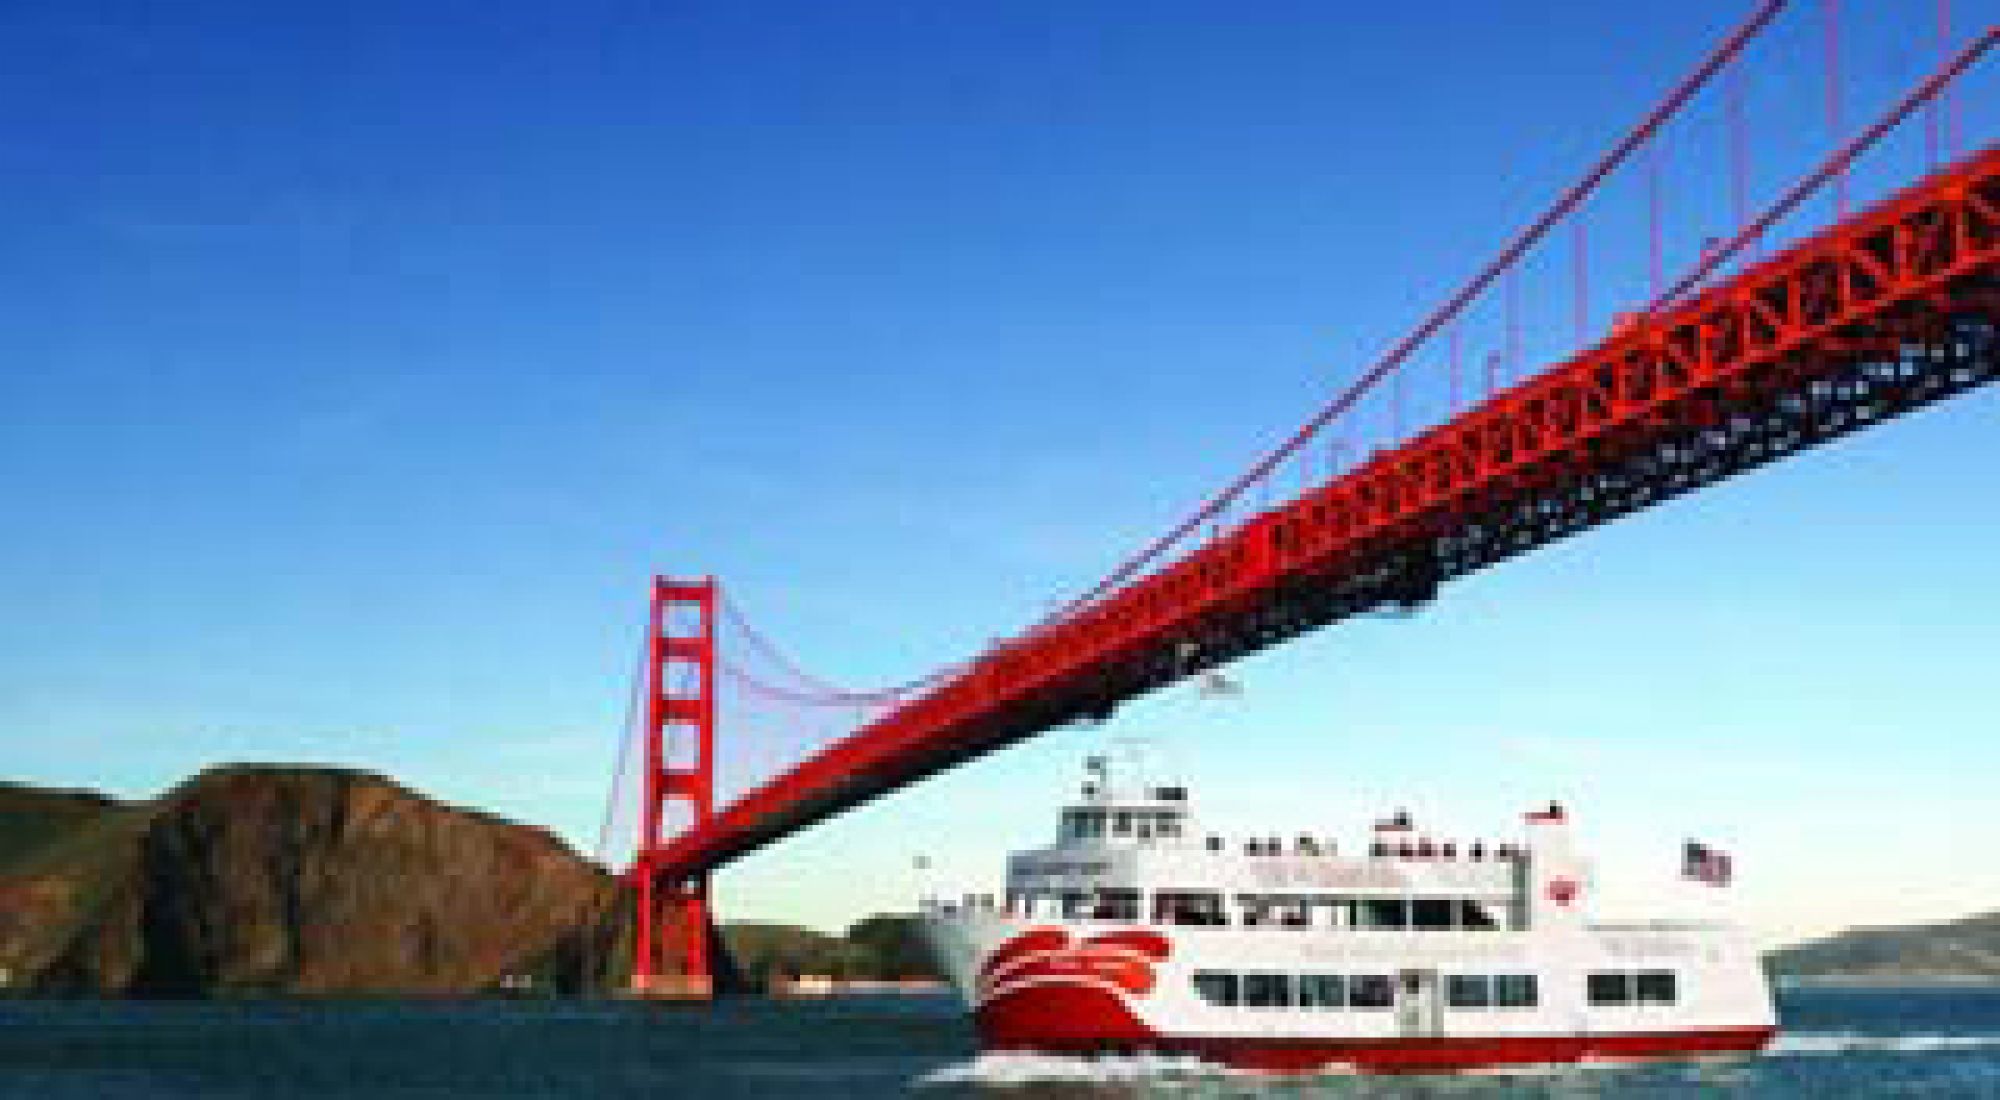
<point>1431,913</point>
<point>1472,914</point>
<point>1215,988</point>
<point>1116,904</point>
<point>1334,912</point>
<point>1322,991</point>
<point>1515,991</point>
<point>1362,991</point>
<point>1167,825</point>
<point>1371,991</point>
<point>1121,824</point>
<point>1267,990</point>
<point>1075,904</point>
<point>1611,989</point>
<point>1653,987</point>
<point>1198,909</point>
<point>1382,913</point>
<point>1255,911</point>
<point>1468,991</point>
<point>1083,824</point>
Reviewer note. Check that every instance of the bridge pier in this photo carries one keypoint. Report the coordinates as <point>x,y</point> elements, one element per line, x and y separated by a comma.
<point>670,959</point>
<point>670,953</point>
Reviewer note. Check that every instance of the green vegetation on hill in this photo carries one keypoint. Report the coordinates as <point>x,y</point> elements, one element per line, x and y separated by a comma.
<point>880,947</point>
<point>1955,949</point>
<point>33,818</point>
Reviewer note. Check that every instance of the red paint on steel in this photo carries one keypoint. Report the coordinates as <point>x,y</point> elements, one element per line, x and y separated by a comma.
<point>680,697</point>
<point>1677,98</point>
<point>1683,365</point>
<point>1836,165</point>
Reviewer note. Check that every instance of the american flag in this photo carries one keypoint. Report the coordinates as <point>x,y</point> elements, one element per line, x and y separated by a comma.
<point>1704,864</point>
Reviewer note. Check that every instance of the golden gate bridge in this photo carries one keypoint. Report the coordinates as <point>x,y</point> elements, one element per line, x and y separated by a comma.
<point>1802,320</point>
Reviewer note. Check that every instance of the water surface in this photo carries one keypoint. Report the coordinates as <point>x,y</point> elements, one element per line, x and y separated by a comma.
<point>1837,1043</point>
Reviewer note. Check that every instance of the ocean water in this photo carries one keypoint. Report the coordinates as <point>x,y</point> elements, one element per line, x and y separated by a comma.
<point>1837,1043</point>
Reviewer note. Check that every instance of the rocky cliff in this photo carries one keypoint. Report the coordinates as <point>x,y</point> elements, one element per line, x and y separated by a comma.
<point>251,880</point>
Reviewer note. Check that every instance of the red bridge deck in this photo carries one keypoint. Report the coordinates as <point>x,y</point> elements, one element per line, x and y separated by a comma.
<point>1891,310</point>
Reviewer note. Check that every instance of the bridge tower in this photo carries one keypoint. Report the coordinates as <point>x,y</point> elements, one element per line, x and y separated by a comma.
<point>670,939</point>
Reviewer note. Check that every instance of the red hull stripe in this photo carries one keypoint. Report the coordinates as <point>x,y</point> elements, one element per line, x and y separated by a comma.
<point>1426,1055</point>
<point>1060,1019</point>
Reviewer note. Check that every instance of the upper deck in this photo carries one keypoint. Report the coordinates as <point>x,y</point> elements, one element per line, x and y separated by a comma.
<point>1135,853</point>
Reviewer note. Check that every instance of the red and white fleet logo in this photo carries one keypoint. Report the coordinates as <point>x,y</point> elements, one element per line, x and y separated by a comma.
<point>1562,891</point>
<point>1121,961</point>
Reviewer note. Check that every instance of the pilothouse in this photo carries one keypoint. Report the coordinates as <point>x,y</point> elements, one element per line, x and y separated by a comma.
<point>1136,929</point>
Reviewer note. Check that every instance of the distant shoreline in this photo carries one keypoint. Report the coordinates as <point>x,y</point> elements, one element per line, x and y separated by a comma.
<point>1886,981</point>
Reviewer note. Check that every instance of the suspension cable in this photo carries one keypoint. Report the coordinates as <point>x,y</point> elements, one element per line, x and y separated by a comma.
<point>1718,58</point>
<point>628,734</point>
<point>1834,167</point>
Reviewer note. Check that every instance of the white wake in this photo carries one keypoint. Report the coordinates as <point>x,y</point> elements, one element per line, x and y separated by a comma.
<point>1177,1073</point>
<point>1846,1042</point>
<point>1019,1068</point>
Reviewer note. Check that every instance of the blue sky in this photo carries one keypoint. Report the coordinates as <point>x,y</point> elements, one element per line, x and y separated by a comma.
<point>364,360</point>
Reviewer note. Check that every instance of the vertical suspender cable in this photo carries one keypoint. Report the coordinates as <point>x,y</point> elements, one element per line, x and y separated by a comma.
<point>1934,110</point>
<point>1510,308</point>
<point>1454,369</point>
<point>1654,264</point>
<point>1954,109</point>
<point>1839,162</point>
<point>1389,361</point>
<point>628,732</point>
<point>1396,408</point>
<point>1739,148</point>
<point>1832,21</point>
<point>1946,110</point>
<point>1579,258</point>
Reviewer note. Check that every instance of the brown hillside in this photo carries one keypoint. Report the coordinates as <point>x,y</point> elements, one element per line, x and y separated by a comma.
<point>254,880</point>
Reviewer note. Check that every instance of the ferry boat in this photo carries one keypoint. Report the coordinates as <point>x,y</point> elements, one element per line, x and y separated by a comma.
<point>1136,932</point>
